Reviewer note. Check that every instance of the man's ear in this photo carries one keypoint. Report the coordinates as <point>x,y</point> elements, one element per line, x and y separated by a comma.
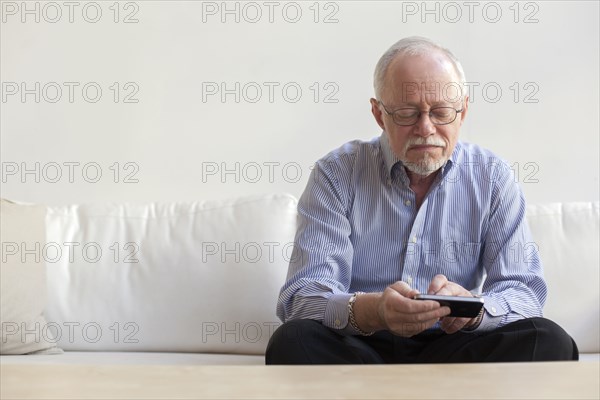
<point>377,113</point>
<point>463,114</point>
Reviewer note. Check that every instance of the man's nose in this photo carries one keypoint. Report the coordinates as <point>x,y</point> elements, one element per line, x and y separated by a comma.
<point>424,126</point>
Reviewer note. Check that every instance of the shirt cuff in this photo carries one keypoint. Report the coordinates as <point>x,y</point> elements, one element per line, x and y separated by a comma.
<point>492,317</point>
<point>336,314</point>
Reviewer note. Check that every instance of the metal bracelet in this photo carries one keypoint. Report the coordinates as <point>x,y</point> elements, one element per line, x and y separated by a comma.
<point>353,323</point>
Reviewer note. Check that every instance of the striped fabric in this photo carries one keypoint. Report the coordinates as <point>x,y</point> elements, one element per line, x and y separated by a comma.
<point>359,230</point>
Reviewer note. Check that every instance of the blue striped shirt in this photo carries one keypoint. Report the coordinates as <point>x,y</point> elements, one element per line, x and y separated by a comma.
<point>359,230</point>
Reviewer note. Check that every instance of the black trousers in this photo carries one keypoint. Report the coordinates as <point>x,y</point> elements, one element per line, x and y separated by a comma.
<point>310,342</point>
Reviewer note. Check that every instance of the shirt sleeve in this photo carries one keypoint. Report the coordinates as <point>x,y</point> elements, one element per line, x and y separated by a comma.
<point>321,264</point>
<point>514,287</point>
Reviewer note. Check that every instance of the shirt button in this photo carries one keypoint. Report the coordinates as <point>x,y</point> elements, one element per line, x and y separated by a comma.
<point>414,239</point>
<point>494,309</point>
<point>409,280</point>
<point>407,202</point>
<point>338,322</point>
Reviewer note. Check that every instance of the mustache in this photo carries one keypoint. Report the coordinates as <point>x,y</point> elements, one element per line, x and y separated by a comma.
<point>420,141</point>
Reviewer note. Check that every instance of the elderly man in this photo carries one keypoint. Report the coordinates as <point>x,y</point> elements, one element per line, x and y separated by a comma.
<point>414,211</point>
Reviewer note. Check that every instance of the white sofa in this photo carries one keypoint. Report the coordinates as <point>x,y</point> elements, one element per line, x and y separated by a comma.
<point>197,283</point>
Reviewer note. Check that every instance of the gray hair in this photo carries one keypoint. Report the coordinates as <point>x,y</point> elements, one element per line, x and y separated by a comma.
<point>414,45</point>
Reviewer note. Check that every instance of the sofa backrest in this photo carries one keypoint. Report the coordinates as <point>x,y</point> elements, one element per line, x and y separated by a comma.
<point>179,277</point>
<point>567,235</point>
<point>204,276</point>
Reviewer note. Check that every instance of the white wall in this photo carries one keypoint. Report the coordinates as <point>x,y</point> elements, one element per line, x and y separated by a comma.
<point>170,139</point>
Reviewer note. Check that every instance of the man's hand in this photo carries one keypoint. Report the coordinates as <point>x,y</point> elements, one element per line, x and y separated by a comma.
<point>442,286</point>
<point>402,315</point>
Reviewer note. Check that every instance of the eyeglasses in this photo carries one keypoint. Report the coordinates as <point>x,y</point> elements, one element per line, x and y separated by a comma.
<point>410,116</point>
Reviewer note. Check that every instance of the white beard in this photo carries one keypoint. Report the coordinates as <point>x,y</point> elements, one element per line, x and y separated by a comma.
<point>426,166</point>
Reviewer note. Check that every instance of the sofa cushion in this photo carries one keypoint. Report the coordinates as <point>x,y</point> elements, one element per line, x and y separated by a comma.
<point>567,235</point>
<point>23,280</point>
<point>177,277</point>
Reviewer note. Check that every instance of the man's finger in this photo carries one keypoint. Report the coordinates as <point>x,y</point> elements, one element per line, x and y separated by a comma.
<point>404,289</point>
<point>447,290</point>
<point>437,283</point>
<point>456,325</point>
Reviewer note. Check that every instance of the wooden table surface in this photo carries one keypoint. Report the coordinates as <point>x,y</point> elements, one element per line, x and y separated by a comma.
<point>559,380</point>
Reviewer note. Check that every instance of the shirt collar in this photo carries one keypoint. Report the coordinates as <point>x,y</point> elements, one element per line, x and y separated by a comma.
<point>389,158</point>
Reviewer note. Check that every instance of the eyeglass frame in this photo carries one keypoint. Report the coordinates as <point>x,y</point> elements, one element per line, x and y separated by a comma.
<point>391,114</point>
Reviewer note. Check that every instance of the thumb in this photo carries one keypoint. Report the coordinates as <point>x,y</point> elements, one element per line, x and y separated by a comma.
<point>405,290</point>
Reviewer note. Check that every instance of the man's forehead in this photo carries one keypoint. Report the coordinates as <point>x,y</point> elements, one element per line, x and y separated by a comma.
<point>433,89</point>
<point>411,77</point>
